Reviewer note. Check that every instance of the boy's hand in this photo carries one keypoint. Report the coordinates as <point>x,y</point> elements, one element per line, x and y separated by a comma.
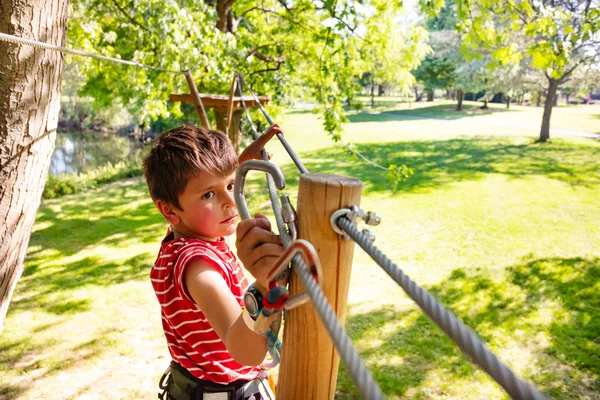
<point>253,151</point>
<point>258,247</point>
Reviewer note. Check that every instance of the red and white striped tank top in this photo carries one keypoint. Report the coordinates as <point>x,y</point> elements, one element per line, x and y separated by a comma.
<point>192,341</point>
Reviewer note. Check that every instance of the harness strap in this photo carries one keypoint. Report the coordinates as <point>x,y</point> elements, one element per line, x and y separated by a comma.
<point>177,383</point>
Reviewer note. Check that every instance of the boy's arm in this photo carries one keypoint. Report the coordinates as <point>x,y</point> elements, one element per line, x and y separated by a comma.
<point>254,149</point>
<point>212,295</point>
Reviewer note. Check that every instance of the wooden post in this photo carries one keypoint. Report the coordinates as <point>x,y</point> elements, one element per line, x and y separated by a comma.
<point>196,99</point>
<point>234,131</point>
<point>309,363</point>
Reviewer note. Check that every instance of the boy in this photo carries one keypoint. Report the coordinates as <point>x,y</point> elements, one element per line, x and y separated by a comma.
<point>197,279</point>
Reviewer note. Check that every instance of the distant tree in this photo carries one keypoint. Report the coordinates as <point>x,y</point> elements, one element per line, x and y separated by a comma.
<point>581,83</point>
<point>472,76</point>
<point>556,36</point>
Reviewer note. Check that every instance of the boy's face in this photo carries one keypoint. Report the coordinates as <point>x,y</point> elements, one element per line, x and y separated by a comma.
<point>208,207</point>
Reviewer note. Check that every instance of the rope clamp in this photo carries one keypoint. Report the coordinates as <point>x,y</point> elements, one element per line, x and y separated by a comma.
<point>352,213</point>
<point>298,247</point>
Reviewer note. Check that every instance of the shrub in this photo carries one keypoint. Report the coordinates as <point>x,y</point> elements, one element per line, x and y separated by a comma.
<point>64,184</point>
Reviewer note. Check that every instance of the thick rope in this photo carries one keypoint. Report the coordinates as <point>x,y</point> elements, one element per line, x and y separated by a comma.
<point>462,335</point>
<point>361,376</point>
<point>40,45</point>
<point>284,142</point>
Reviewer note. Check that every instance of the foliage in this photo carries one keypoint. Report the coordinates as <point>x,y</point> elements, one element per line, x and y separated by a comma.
<point>65,184</point>
<point>283,49</point>
<point>554,37</point>
<point>557,36</point>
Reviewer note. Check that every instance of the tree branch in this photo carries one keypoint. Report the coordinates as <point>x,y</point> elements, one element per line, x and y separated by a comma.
<point>260,71</point>
<point>264,57</point>
<point>130,18</point>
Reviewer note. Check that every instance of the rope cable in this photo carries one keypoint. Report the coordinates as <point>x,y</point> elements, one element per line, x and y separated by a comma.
<point>41,45</point>
<point>361,376</point>
<point>463,336</point>
<point>284,142</point>
<point>281,227</point>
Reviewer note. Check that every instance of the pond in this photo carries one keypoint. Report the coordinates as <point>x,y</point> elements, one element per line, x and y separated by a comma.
<point>84,151</point>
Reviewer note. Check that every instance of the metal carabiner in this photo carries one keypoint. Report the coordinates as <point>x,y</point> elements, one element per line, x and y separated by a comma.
<point>298,247</point>
<point>240,180</point>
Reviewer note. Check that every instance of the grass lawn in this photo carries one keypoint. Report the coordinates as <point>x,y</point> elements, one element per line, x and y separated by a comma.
<point>504,231</point>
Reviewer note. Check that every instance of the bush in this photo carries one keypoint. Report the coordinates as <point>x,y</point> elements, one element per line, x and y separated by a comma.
<point>64,184</point>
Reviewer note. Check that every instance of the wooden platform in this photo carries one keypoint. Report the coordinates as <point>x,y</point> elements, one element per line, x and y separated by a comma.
<point>220,101</point>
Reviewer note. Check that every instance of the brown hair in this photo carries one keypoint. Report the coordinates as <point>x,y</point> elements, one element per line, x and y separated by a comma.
<point>182,153</point>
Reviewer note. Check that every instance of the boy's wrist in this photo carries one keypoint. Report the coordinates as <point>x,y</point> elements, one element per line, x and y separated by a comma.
<point>261,288</point>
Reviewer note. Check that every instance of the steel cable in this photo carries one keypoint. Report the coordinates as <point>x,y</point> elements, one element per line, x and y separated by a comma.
<point>284,142</point>
<point>361,376</point>
<point>41,45</point>
<point>463,336</point>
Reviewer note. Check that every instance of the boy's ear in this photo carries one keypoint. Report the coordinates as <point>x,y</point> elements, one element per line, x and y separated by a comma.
<point>168,211</point>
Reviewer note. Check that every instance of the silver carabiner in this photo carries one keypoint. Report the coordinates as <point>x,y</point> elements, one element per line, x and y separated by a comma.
<point>240,180</point>
<point>298,247</point>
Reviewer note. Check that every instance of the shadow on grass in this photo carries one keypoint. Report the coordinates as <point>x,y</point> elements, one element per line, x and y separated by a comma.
<point>440,162</point>
<point>553,298</point>
<point>440,112</point>
<point>103,217</point>
<point>33,360</point>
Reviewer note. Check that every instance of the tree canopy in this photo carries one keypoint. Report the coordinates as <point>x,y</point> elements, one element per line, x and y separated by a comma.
<point>286,49</point>
<point>553,36</point>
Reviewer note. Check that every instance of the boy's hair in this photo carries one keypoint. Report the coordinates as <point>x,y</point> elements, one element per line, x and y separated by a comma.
<point>182,153</point>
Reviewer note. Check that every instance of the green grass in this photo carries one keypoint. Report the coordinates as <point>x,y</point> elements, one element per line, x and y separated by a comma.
<point>504,231</point>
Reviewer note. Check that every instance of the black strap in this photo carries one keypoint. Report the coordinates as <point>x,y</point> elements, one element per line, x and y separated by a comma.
<point>192,388</point>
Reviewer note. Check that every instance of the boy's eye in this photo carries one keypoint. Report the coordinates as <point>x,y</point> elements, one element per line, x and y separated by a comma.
<point>208,195</point>
<point>230,187</point>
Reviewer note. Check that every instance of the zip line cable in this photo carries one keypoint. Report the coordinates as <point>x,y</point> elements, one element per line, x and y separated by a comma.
<point>41,45</point>
<point>284,142</point>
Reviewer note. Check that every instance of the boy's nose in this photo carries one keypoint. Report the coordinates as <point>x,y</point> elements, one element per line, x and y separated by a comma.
<point>229,200</point>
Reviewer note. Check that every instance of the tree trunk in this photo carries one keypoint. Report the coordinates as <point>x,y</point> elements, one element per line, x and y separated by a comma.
<point>29,106</point>
<point>548,104</point>
<point>539,98</point>
<point>430,95</point>
<point>381,90</point>
<point>460,95</point>
<point>567,95</point>
<point>373,92</point>
<point>417,98</point>
<point>507,102</point>
<point>484,106</point>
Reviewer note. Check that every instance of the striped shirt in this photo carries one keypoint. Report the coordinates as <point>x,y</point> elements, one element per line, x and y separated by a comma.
<point>192,341</point>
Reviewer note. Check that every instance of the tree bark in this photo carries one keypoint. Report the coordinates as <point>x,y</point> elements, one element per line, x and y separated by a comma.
<point>373,92</point>
<point>430,95</point>
<point>548,105</point>
<point>29,105</point>
<point>507,102</point>
<point>460,95</point>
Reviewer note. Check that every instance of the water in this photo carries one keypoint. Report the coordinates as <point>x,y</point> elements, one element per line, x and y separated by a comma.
<point>83,151</point>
